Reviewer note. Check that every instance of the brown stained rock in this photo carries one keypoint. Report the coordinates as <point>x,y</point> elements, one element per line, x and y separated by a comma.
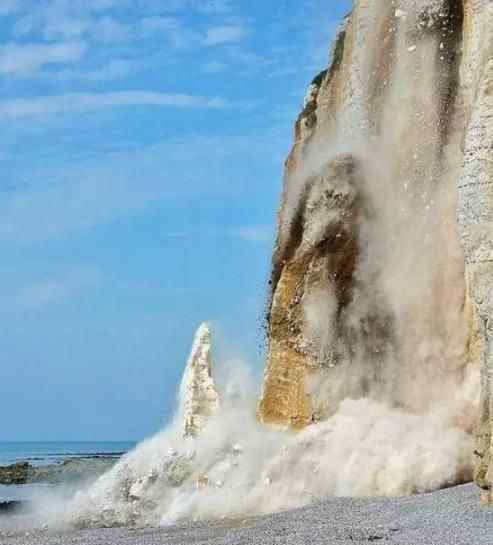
<point>320,256</point>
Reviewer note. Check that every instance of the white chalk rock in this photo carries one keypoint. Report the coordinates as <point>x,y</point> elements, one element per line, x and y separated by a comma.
<point>199,399</point>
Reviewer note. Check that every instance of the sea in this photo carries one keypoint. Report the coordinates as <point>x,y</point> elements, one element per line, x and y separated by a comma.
<point>44,453</point>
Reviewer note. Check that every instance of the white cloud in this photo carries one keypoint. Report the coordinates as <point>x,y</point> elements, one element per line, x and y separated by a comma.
<point>86,102</point>
<point>62,26</point>
<point>225,34</point>
<point>16,59</point>
<point>62,19</point>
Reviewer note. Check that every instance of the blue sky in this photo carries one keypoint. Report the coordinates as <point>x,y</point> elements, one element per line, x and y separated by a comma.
<point>141,161</point>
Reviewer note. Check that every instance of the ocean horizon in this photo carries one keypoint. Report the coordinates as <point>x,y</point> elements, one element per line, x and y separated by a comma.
<point>48,452</point>
<point>40,453</point>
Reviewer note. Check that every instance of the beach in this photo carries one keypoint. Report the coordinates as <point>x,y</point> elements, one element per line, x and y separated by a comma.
<point>447,517</point>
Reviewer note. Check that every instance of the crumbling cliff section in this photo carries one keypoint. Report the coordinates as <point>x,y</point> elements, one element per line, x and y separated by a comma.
<point>383,263</point>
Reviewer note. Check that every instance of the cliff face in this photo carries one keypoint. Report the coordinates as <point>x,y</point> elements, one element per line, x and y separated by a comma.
<point>475,209</point>
<point>384,258</point>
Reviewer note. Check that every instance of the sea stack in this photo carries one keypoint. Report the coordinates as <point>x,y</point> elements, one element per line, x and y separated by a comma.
<point>198,399</point>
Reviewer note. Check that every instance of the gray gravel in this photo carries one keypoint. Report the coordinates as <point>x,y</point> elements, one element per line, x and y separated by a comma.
<point>447,517</point>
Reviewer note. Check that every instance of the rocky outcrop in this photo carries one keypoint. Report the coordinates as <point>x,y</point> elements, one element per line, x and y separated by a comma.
<point>198,398</point>
<point>15,474</point>
<point>382,271</point>
<point>73,469</point>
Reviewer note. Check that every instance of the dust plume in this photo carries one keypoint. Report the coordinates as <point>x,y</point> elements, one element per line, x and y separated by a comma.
<point>238,468</point>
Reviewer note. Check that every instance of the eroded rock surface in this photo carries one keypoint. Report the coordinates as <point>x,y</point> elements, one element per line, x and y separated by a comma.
<point>475,191</point>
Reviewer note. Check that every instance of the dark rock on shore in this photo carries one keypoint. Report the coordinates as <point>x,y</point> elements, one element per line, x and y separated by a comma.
<point>15,474</point>
<point>8,507</point>
<point>73,469</point>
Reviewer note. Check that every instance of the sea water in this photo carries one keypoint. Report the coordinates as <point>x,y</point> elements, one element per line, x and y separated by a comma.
<point>50,452</point>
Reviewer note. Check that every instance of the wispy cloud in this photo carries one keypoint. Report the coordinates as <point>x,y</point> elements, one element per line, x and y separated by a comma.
<point>64,25</point>
<point>86,102</point>
<point>225,34</point>
<point>63,20</point>
<point>126,183</point>
<point>120,35</point>
<point>52,289</point>
<point>16,59</point>
<point>173,31</point>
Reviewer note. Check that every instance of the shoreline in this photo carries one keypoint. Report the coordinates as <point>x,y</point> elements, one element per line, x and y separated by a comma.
<point>69,469</point>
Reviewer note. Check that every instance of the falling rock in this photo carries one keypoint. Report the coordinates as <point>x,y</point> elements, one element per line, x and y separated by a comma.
<point>198,398</point>
<point>202,481</point>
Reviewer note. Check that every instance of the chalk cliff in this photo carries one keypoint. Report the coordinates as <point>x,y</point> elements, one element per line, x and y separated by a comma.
<point>383,266</point>
<point>475,209</point>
